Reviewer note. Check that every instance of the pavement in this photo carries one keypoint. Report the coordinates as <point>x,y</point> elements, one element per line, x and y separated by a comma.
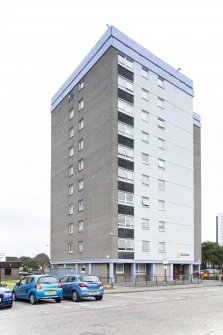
<point>134,289</point>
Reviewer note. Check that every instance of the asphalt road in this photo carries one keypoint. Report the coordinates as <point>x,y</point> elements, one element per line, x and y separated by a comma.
<point>161,312</point>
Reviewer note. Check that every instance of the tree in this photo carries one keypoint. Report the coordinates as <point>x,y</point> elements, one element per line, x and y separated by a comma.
<point>29,263</point>
<point>212,254</point>
<point>43,261</point>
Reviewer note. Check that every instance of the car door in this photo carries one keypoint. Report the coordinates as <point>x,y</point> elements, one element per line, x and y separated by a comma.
<point>27,287</point>
<point>64,286</point>
<point>70,285</point>
<point>20,289</point>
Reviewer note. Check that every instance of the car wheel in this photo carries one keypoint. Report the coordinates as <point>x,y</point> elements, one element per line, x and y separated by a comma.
<point>75,296</point>
<point>100,297</point>
<point>32,299</point>
<point>58,300</point>
<point>14,297</point>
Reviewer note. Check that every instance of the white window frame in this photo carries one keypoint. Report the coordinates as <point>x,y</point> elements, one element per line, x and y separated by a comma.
<point>81,124</point>
<point>71,132</point>
<point>161,123</point>
<point>125,153</point>
<point>71,113</point>
<point>70,209</point>
<point>162,226</point>
<point>145,201</point>
<point>120,268</point>
<point>161,164</point>
<point>80,164</point>
<point>80,246</point>
<point>80,184</point>
<point>145,179</point>
<point>161,184</point>
<point>126,175</point>
<point>145,73</point>
<point>145,246</point>
<point>70,248</point>
<point>125,129</point>
<point>71,151</point>
<point>125,198</point>
<point>145,224</point>
<point>162,247</point>
<point>70,228</point>
<point>128,221</point>
<point>145,136</point>
<point>80,205</point>
<point>160,82</point>
<point>161,143</point>
<point>145,158</point>
<point>126,62</point>
<point>83,266</point>
<point>125,245</point>
<point>80,226</point>
<point>161,205</point>
<point>81,104</point>
<point>144,115</point>
<point>145,94</point>
<point>70,189</point>
<point>140,269</point>
<point>81,85</point>
<point>125,84</point>
<point>160,102</point>
<point>70,170</point>
<point>81,145</point>
<point>125,107</point>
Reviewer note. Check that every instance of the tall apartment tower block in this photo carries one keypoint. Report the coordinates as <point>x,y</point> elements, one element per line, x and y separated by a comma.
<point>219,229</point>
<point>126,174</point>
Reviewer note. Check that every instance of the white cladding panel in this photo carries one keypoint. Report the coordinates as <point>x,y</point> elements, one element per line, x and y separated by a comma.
<point>178,211</point>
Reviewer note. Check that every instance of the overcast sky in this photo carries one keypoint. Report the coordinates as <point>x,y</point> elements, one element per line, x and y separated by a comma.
<point>41,44</point>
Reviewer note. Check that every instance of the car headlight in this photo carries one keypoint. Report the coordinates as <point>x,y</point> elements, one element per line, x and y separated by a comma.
<point>8,294</point>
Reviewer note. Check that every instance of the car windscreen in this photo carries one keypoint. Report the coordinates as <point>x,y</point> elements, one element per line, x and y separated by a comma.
<point>48,280</point>
<point>89,279</point>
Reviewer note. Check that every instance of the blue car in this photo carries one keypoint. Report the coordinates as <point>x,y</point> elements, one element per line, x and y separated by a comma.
<point>5,297</point>
<point>82,286</point>
<point>37,287</point>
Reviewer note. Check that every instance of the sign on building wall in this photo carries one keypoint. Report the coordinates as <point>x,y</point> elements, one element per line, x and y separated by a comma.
<point>2,257</point>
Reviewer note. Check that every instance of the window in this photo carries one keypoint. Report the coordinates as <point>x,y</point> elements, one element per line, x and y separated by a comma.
<point>70,209</point>
<point>145,179</point>
<point>124,107</point>
<point>161,205</point>
<point>80,164</point>
<point>70,248</point>
<point>161,225</point>
<point>80,226</point>
<point>162,247</point>
<point>161,123</point>
<point>161,143</point>
<point>81,85</point>
<point>70,96</point>
<point>70,170</point>
<point>8,272</point>
<point>161,184</point>
<point>145,73</point>
<point>126,62</point>
<point>70,228</point>
<point>83,268</point>
<point>71,114</point>
<point>119,268</point>
<point>125,245</point>
<point>80,246</point>
<point>145,201</point>
<point>71,189</point>
<point>145,224</point>
<point>140,269</point>
<point>71,151</point>
<point>81,145</point>
<point>125,84</point>
<point>71,132</point>
<point>160,82</point>
<point>145,158</point>
<point>145,136</point>
<point>125,221</point>
<point>125,129</point>
<point>125,175</point>
<point>81,104</point>
<point>80,184</point>
<point>161,163</point>
<point>125,152</point>
<point>160,103</point>
<point>145,116</point>
<point>80,205</point>
<point>81,124</point>
<point>145,246</point>
<point>145,94</point>
<point>125,198</point>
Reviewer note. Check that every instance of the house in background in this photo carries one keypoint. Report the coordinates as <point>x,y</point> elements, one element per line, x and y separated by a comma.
<point>9,268</point>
